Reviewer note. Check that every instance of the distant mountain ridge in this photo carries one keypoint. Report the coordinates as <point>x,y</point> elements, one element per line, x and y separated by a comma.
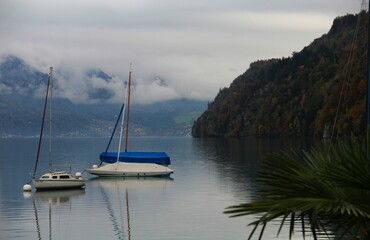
<point>298,95</point>
<point>19,78</point>
<point>22,91</point>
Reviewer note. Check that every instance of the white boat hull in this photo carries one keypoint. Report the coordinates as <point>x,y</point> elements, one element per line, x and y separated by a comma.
<point>57,184</point>
<point>124,169</point>
<point>58,180</point>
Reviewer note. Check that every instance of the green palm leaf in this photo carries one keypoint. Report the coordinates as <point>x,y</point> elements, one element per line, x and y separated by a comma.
<point>327,190</point>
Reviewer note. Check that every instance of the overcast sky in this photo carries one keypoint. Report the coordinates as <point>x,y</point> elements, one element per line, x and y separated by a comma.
<point>179,49</point>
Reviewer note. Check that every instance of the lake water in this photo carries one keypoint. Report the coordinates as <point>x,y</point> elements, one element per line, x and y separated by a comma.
<point>210,175</point>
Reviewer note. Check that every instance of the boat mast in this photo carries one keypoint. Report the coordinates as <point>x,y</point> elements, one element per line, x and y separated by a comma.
<point>128,108</point>
<point>115,126</point>
<point>42,128</point>
<point>51,116</point>
<point>122,114</point>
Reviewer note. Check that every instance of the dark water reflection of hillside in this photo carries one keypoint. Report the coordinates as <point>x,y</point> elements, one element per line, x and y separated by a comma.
<point>236,160</point>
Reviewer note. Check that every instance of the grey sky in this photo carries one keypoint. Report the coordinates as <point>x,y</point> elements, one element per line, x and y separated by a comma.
<point>179,49</point>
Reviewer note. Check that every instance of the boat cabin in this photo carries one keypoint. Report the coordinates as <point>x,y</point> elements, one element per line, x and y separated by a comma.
<point>56,176</point>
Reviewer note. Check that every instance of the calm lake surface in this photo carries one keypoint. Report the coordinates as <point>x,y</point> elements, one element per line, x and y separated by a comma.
<point>210,175</point>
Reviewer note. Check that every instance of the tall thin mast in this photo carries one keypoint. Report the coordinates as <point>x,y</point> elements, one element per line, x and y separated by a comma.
<point>42,128</point>
<point>122,115</point>
<point>128,108</point>
<point>51,116</point>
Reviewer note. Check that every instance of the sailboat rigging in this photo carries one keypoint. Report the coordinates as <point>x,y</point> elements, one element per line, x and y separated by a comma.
<point>128,164</point>
<point>52,179</point>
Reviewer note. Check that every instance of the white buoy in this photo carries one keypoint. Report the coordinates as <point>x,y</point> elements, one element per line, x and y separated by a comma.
<point>27,187</point>
<point>95,166</point>
<point>78,174</point>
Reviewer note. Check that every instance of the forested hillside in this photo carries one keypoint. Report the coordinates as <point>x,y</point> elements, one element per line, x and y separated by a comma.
<point>297,95</point>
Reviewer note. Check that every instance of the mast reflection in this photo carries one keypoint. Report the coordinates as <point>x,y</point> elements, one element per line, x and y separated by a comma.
<point>53,199</point>
<point>121,187</point>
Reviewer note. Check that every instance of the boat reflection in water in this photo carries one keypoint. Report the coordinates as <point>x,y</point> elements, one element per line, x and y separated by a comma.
<point>59,201</point>
<point>57,197</point>
<point>115,192</point>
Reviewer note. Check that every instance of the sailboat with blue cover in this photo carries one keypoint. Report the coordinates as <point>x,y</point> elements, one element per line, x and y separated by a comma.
<point>130,164</point>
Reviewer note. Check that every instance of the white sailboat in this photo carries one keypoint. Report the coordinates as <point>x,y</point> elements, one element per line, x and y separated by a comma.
<point>52,179</point>
<point>131,164</point>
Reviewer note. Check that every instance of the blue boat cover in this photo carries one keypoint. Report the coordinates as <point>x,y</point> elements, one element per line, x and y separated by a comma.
<point>136,157</point>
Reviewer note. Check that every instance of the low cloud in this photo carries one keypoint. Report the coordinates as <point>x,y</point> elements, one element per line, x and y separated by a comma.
<point>195,47</point>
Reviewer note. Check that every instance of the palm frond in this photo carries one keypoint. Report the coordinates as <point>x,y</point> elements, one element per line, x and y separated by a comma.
<point>327,188</point>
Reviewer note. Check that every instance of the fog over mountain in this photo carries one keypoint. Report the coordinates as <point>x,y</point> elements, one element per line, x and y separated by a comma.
<point>83,108</point>
<point>194,47</point>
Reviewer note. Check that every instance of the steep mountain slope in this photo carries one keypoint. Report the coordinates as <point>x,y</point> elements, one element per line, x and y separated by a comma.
<point>298,95</point>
